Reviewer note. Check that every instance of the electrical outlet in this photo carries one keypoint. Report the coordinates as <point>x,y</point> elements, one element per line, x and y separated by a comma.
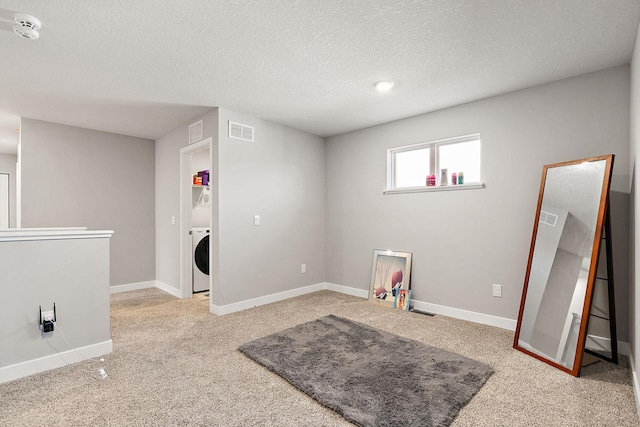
<point>46,319</point>
<point>303,268</point>
<point>173,220</point>
<point>497,291</point>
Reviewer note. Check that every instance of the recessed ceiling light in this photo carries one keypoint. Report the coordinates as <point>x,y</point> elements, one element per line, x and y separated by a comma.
<point>383,85</point>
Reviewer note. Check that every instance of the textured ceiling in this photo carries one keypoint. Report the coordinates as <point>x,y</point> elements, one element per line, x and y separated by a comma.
<point>145,67</point>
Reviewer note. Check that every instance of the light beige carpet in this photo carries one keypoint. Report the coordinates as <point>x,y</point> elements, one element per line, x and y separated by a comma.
<point>176,364</point>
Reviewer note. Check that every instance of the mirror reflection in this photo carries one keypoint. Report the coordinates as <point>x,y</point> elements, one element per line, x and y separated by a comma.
<point>560,265</point>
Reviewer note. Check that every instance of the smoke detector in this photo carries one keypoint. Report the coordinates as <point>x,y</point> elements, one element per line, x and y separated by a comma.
<point>27,26</point>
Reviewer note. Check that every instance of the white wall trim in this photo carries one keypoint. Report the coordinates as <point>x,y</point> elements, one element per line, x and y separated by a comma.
<point>634,380</point>
<point>595,342</point>
<point>63,233</point>
<point>407,190</point>
<point>457,313</point>
<point>362,293</point>
<point>472,316</point>
<point>132,286</point>
<point>168,289</point>
<point>485,319</point>
<point>30,367</point>
<point>267,299</point>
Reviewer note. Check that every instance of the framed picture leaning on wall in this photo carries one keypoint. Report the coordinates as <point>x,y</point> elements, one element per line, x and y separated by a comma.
<point>391,272</point>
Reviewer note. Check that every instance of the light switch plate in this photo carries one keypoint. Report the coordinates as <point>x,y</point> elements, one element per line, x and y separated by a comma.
<point>256,220</point>
<point>497,291</point>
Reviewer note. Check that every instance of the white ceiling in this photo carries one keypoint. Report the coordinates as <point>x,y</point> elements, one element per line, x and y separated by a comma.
<point>145,67</point>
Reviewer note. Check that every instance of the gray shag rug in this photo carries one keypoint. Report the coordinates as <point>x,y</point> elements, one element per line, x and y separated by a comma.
<point>371,377</point>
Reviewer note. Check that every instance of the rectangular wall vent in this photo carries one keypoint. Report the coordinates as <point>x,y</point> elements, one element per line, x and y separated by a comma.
<point>195,132</point>
<point>240,131</point>
<point>548,218</point>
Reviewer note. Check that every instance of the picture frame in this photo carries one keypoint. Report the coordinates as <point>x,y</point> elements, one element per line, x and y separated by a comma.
<point>402,300</point>
<point>391,271</point>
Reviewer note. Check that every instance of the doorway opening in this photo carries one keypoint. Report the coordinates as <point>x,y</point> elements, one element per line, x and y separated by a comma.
<point>196,200</point>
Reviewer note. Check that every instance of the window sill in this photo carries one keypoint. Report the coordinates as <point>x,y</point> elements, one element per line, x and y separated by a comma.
<point>474,186</point>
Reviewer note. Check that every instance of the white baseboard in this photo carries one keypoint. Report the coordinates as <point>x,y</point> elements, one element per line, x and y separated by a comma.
<point>168,289</point>
<point>634,380</point>
<point>30,367</point>
<point>472,316</point>
<point>595,342</point>
<point>145,285</point>
<point>457,313</point>
<point>132,286</point>
<point>267,299</point>
<point>362,293</point>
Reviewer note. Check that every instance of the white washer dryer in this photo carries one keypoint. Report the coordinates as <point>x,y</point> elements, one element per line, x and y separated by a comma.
<point>200,259</point>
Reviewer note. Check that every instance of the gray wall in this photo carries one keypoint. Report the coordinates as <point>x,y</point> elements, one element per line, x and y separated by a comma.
<point>464,241</point>
<point>8,165</point>
<point>281,177</point>
<point>81,177</point>
<point>73,274</point>
<point>167,162</point>
<point>634,210</point>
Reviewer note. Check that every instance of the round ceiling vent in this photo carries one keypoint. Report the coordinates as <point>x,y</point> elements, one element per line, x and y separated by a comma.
<point>27,26</point>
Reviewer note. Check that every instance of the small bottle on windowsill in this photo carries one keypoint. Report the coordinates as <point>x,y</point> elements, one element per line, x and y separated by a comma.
<point>443,177</point>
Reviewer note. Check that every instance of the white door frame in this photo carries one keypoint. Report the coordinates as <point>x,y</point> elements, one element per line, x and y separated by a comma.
<point>186,244</point>
<point>5,197</point>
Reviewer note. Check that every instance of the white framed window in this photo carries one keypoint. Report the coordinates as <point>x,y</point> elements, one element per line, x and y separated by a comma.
<point>409,166</point>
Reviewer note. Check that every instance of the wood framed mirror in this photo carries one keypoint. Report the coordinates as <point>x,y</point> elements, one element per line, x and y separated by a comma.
<point>563,259</point>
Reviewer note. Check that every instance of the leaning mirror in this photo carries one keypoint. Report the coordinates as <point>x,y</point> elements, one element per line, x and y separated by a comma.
<point>558,287</point>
